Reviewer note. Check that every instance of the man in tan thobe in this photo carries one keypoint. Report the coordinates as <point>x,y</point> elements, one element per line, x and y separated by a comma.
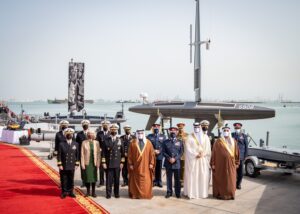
<point>224,162</point>
<point>141,165</point>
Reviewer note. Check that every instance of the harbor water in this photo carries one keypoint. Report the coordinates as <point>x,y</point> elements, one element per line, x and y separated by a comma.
<point>284,128</point>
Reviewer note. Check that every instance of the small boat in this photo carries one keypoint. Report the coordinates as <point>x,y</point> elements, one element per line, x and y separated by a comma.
<point>76,119</point>
<point>57,101</point>
<point>89,101</point>
<point>275,154</point>
<point>128,101</point>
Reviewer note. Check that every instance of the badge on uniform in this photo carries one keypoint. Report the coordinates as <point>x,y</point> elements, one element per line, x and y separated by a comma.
<point>74,147</point>
<point>177,143</point>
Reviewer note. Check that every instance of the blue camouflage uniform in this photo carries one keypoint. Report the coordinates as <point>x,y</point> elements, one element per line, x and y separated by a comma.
<point>242,142</point>
<point>157,142</point>
<point>173,148</point>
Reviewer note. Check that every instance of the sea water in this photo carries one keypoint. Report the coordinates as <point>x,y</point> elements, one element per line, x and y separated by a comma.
<point>284,128</point>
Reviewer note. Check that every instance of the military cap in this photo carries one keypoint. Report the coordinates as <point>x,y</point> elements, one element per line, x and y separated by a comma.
<point>155,125</point>
<point>196,124</point>
<point>85,122</point>
<point>140,130</point>
<point>127,127</point>
<point>64,122</point>
<point>173,129</point>
<point>68,131</point>
<point>226,127</point>
<point>237,125</point>
<point>105,122</point>
<point>180,124</point>
<point>204,123</point>
<point>114,126</point>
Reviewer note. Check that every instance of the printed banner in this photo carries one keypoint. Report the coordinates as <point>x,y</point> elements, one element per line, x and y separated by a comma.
<point>76,86</point>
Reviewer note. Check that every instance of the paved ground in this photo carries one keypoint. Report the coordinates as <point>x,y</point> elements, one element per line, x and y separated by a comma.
<point>271,192</point>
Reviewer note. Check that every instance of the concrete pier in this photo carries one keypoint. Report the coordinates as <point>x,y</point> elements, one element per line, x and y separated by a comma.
<point>271,192</point>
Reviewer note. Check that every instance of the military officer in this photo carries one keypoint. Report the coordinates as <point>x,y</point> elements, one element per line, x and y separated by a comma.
<point>182,135</point>
<point>112,161</point>
<point>101,135</point>
<point>125,139</point>
<point>173,151</point>
<point>80,137</point>
<point>68,161</point>
<point>205,125</point>
<point>242,142</point>
<point>157,140</point>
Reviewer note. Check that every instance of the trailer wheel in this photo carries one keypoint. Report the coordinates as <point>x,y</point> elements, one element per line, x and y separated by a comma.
<point>50,157</point>
<point>251,170</point>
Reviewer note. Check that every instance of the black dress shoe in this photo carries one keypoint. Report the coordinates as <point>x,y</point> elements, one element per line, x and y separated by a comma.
<point>239,187</point>
<point>123,185</point>
<point>87,195</point>
<point>117,196</point>
<point>94,195</point>
<point>108,196</point>
<point>160,185</point>
<point>168,195</point>
<point>72,195</point>
<point>178,196</point>
<point>63,195</point>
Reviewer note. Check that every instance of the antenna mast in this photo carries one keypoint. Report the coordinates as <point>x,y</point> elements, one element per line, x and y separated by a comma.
<point>197,53</point>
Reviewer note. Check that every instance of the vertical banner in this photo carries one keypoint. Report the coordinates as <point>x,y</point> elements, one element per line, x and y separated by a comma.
<point>80,86</point>
<point>76,86</point>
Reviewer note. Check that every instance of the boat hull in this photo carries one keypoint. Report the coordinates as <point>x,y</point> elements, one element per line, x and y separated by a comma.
<point>275,155</point>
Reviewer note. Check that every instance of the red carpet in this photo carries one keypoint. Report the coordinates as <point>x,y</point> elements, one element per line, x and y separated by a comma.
<point>29,185</point>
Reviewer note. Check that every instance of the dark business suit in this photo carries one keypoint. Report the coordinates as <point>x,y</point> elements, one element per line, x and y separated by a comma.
<point>101,135</point>
<point>59,138</point>
<point>80,137</point>
<point>126,139</point>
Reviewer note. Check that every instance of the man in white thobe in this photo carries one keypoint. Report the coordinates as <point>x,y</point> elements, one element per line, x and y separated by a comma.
<point>197,168</point>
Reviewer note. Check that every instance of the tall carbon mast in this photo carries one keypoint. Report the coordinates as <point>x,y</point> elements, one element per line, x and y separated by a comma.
<point>197,53</point>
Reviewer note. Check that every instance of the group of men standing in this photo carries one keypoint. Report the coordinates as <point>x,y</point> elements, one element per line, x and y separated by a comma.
<point>191,159</point>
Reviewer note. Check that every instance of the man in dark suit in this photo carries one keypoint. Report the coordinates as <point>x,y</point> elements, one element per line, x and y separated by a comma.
<point>68,161</point>
<point>205,126</point>
<point>126,139</point>
<point>59,137</point>
<point>101,135</point>
<point>172,151</point>
<point>113,161</point>
<point>242,142</point>
<point>80,137</point>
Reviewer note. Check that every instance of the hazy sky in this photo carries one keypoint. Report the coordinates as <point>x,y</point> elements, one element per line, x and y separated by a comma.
<point>133,46</point>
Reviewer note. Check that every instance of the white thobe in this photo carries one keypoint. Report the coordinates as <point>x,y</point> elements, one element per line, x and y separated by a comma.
<point>197,170</point>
